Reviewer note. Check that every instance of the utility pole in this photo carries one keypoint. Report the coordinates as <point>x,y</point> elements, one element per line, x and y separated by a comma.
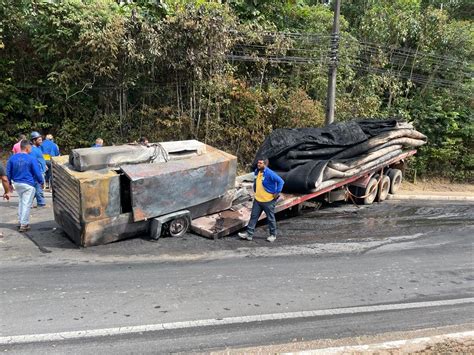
<point>331,98</point>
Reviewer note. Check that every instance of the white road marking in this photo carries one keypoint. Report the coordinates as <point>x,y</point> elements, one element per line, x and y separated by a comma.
<point>136,329</point>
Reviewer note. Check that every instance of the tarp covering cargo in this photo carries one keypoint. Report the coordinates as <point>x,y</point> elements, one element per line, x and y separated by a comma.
<point>306,157</point>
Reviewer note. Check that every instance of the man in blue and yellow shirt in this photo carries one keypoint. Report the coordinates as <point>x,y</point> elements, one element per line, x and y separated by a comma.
<point>37,153</point>
<point>50,150</point>
<point>267,187</point>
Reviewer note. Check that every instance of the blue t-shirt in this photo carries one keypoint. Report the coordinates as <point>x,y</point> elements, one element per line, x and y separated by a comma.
<point>24,168</point>
<point>50,148</point>
<point>38,154</point>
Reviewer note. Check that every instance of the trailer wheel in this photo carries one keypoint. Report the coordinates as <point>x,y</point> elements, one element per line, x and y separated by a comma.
<point>296,210</point>
<point>178,226</point>
<point>384,188</point>
<point>370,192</point>
<point>396,178</point>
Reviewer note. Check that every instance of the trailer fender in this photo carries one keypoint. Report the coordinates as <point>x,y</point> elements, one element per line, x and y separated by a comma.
<point>156,225</point>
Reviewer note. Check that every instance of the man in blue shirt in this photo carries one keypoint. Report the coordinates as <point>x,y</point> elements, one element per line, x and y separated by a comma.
<point>37,153</point>
<point>50,150</point>
<point>267,187</point>
<point>24,174</point>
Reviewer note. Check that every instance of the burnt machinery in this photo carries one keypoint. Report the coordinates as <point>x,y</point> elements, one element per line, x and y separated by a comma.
<point>101,195</point>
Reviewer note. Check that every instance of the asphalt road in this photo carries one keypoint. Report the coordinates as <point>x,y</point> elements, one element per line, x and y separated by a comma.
<point>338,272</point>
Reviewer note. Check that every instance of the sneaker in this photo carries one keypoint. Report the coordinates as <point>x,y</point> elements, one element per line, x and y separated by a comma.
<point>24,228</point>
<point>271,239</point>
<point>245,235</point>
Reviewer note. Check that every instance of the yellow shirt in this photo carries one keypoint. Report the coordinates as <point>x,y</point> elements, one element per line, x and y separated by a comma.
<point>261,195</point>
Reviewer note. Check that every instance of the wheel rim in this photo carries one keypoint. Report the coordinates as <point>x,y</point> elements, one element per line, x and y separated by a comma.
<point>178,226</point>
<point>384,189</point>
<point>371,192</point>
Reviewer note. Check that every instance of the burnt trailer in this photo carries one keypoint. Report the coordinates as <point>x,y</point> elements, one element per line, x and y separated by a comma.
<point>102,195</point>
<point>371,184</point>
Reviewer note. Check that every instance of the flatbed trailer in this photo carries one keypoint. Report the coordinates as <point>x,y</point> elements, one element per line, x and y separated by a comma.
<point>229,221</point>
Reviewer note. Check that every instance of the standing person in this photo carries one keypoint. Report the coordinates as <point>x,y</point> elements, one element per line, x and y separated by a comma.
<point>24,174</point>
<point>37,153</point>
<point>5,184</point>
<point>16,148</point>
<point>267,187</point>
<point>49,149</point>
<point>99,142</point>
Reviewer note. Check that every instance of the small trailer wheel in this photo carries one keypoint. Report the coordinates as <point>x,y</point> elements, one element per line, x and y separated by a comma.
<point>370,192</point>
<point>178,226</point>
<point>384,188</point>
<point>396,178</point>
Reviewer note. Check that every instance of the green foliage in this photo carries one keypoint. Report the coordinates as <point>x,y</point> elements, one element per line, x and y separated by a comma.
<point>81,69</point>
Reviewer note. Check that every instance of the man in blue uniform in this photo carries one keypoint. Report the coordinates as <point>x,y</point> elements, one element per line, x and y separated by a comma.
<point>37,153</point>
<point>50,150</point>
<point>24,174</point>
<point>267,187</point>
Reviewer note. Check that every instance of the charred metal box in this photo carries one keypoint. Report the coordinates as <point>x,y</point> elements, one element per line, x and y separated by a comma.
<point>158,189</point>
<point>101,206</point>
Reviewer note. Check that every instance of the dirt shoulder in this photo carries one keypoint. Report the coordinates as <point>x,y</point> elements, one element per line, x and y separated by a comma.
<point>443,340</point>
<point>437,187</point>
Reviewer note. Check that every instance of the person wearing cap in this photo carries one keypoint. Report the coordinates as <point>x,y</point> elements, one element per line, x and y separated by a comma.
<point>24,174</point>
<point>37,153</point>
<point>16,148</point>
<point>50,150</point>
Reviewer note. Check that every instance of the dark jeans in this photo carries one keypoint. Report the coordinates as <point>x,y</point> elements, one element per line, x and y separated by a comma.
<point>257,209</point>
<point>48,175</point>
<point>39,195</point>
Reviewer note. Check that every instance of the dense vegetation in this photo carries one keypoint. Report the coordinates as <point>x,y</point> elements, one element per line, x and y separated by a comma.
<point>228,72</point>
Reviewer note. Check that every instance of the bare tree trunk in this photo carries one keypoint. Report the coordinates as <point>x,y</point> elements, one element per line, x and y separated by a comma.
<point>207,117</point>
<point>191,108</point>
<point>120,110</point>
<point>199,111</point>
<point>177,97</point>
<point>124,110</point>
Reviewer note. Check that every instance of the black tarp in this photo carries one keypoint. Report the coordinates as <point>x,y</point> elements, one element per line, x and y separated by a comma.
<point>301,156</point>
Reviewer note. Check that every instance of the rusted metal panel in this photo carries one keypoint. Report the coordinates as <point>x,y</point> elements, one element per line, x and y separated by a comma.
<point>112,229</point>
<point>216,205</point>
<point>66,191</point>
<point>86,196</point>
<point>100,197</point>
<point>83,197</point>
<point>158,189</point>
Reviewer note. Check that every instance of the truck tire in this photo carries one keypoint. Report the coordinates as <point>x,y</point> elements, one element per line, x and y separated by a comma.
<point>178,226</point>
<point>370,192</point>
<point>396,178</point>
<point>384,188</point>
